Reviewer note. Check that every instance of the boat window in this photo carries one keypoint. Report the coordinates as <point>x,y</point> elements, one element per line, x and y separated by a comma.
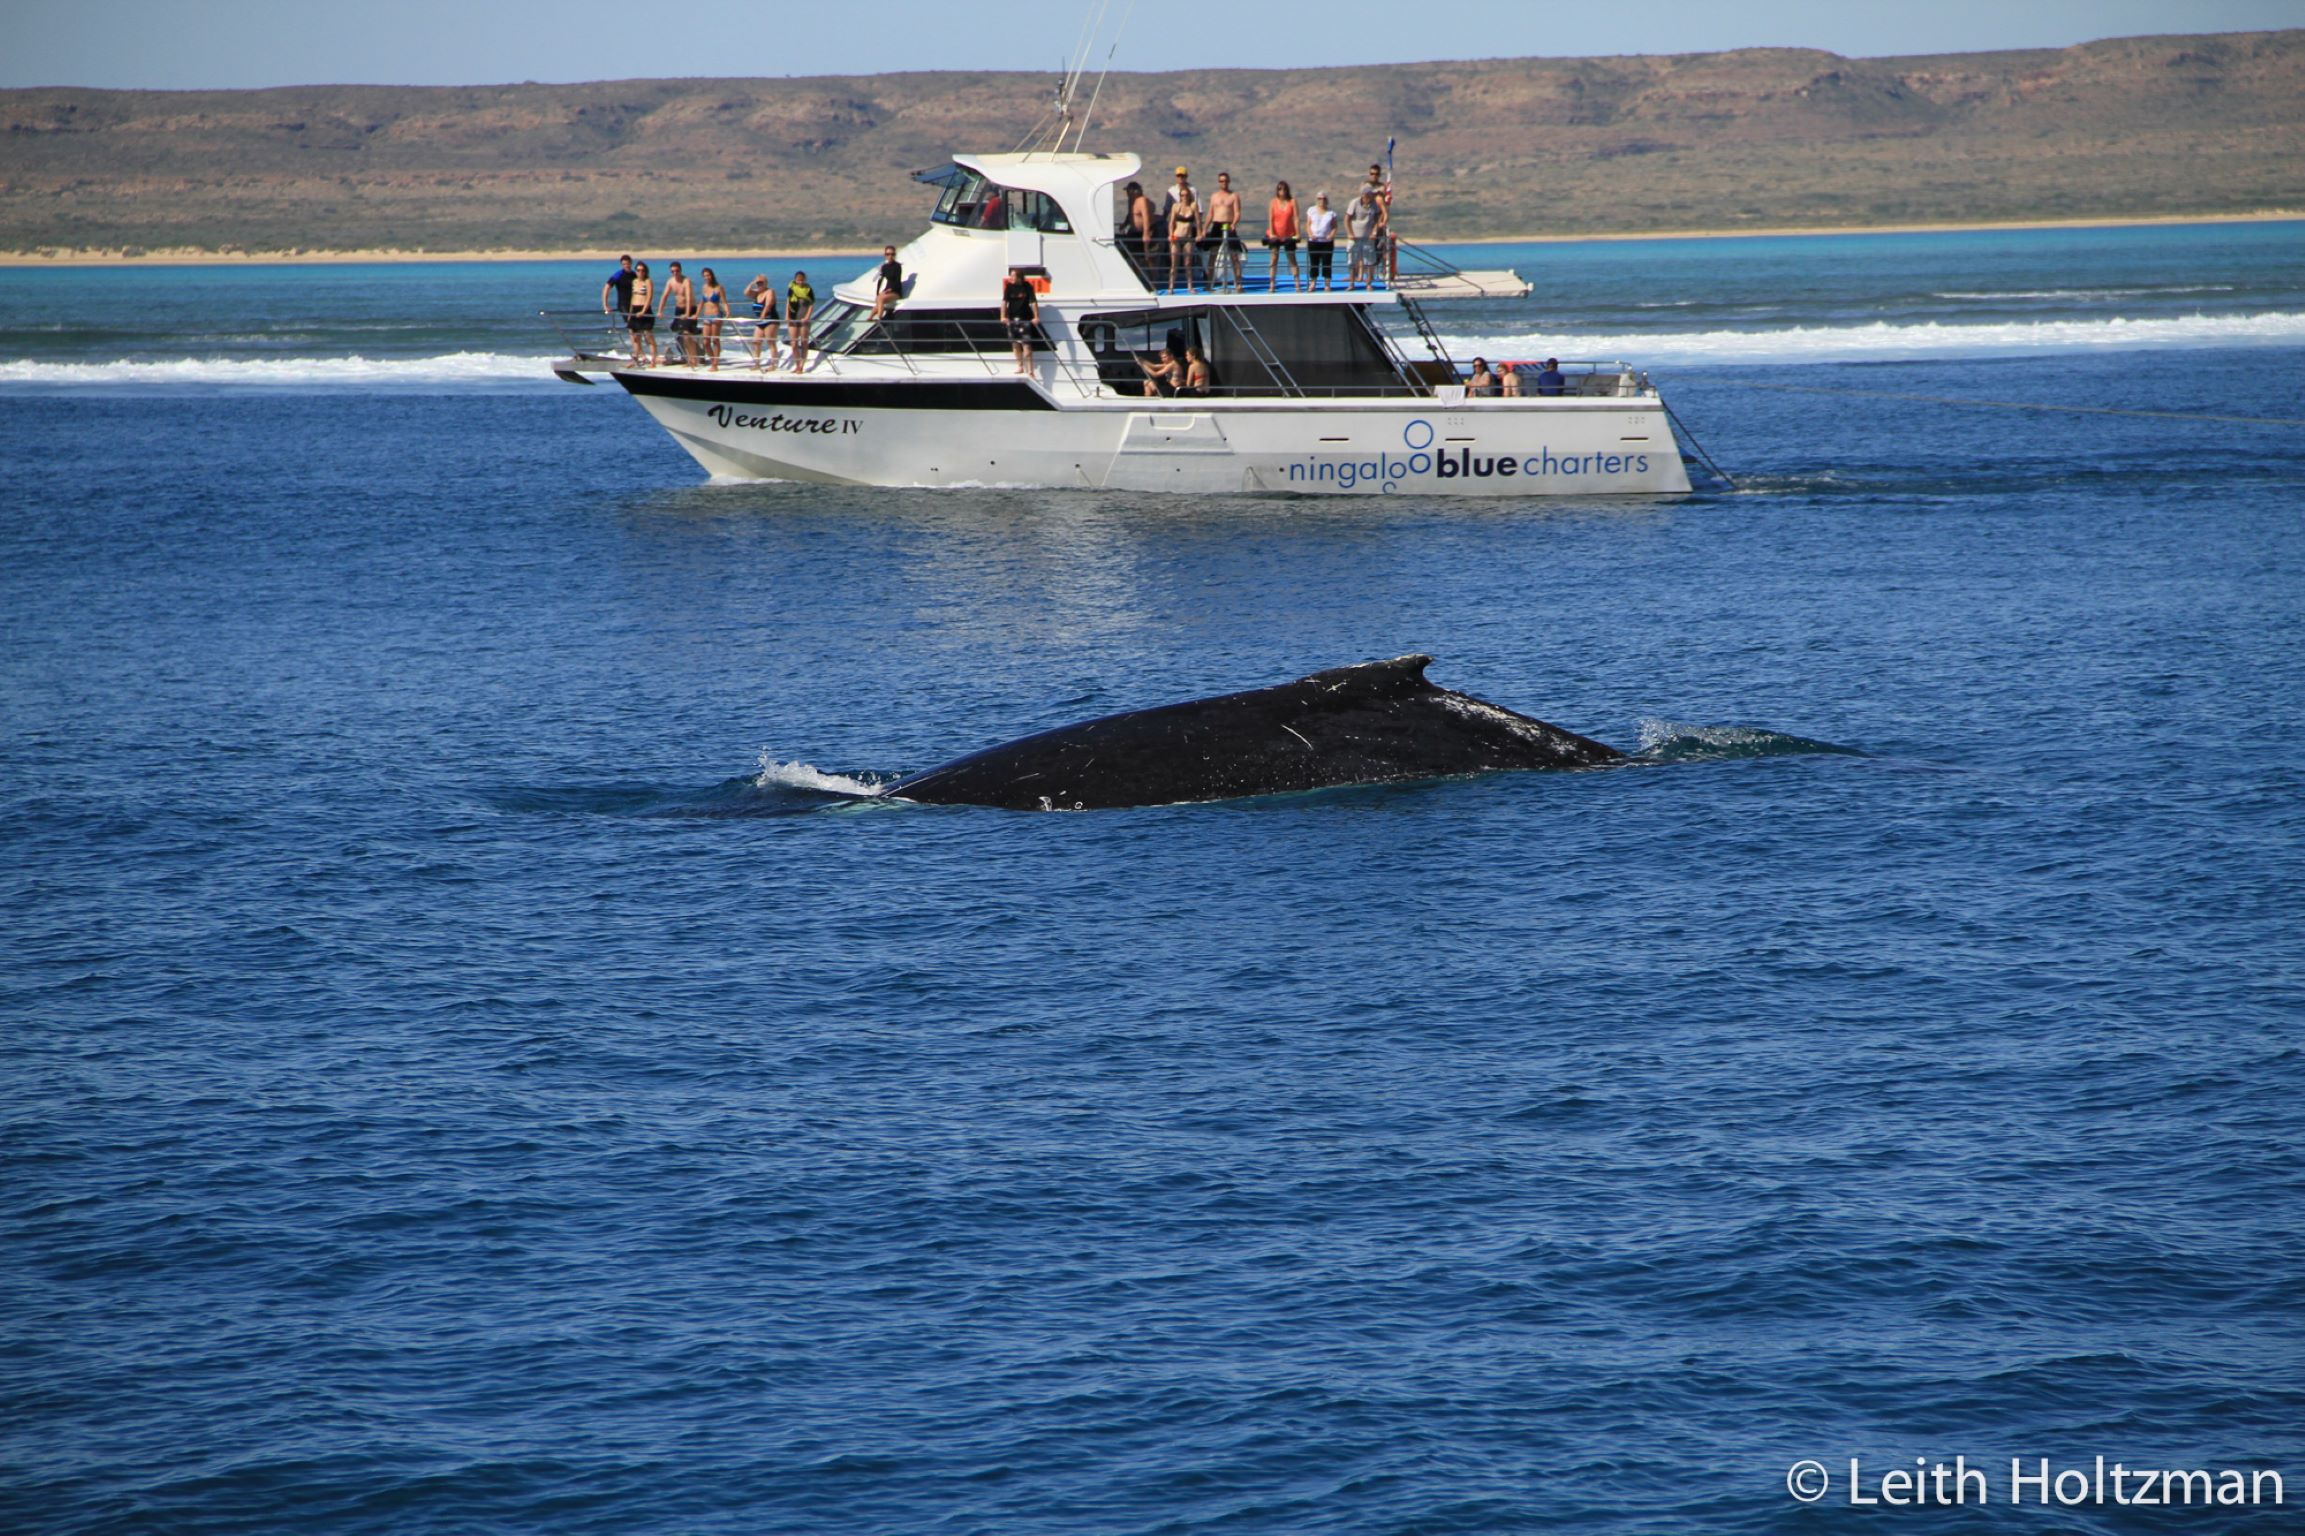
<point>837,327</point>
<point>972,202</point>
<point>1318,350</point>
<point>1038,210</point>
<point>963,200</point>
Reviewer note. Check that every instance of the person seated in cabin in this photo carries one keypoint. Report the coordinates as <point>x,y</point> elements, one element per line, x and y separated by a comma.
<point>1197,376</point>
<point>1483,382</point>
<point>763,295</point>
<point>1549,380</point>
<point>1509,381</point>
<point>890,286</point>
<point>1165,377</point>
<point>992,213</point>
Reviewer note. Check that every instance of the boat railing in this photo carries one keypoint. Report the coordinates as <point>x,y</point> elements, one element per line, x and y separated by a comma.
<point>1399,267</point>
<point>603,337</point>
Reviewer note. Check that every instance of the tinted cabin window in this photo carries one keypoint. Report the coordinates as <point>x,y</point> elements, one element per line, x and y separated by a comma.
<point>1323,347</point>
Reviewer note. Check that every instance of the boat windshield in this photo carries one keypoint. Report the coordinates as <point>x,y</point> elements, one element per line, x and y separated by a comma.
<point>972,202</point>
<point>838,330</point>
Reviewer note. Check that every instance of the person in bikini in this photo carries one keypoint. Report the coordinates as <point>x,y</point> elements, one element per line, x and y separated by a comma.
<point>1180,195</point>
<point>1196,372</point>
<point>1282,221</point>
<point>712,309</point>
<point>680,298</point>
<point>1165,377</point>
<point>1224,235</point>
<point>762,292</point>
<point>799,310</point>
<point>642,318</point>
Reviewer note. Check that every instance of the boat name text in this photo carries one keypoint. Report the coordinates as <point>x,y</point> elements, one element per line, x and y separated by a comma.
<point>730,416</point>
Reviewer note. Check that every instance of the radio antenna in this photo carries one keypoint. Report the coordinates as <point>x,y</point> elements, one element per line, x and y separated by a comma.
<point>1081,137</point>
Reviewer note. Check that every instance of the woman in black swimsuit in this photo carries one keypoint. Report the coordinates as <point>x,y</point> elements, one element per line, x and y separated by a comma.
<point>642,318</point>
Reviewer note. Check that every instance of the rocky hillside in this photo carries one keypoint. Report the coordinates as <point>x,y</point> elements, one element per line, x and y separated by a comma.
<point>1753,138</point>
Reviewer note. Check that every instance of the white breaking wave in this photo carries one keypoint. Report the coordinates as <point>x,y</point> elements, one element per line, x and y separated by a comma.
<point>778,775</point>
<point>1884,342</point>
<point>462,370</point>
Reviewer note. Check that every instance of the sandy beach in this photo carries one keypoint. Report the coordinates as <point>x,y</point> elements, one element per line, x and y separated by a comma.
<point>203,258</point>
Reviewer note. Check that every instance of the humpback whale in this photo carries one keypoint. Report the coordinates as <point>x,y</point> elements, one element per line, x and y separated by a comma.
<point>1376,723</point>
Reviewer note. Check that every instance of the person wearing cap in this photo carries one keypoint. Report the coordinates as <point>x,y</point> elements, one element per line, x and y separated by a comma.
<point>1549,381</point>
<point>1182,191</point>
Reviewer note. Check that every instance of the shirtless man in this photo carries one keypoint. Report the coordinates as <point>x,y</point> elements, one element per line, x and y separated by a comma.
<point>680,298</point>
<point>1224,232</point>
<point>891,286</point>
<point>1137,229</point>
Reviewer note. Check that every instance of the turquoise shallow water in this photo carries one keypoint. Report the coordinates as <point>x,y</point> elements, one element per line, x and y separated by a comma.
<point>462,1076</point>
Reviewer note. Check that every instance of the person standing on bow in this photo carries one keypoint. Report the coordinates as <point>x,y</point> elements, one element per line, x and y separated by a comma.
<point>642,318</point>
<point>680,298</point>
<point>799,310</point>
<point>762,292</point>
<point>1020,312</point>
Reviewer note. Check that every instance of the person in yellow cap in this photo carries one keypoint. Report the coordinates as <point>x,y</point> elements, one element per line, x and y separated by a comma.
<point>1184,236</point>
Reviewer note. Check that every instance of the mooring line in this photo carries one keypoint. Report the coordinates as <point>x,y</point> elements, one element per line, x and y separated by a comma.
<point>1693,443</point>
<point>2027,405</point>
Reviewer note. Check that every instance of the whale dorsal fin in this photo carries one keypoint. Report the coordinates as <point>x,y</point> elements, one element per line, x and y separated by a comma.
<point>1373,679</point>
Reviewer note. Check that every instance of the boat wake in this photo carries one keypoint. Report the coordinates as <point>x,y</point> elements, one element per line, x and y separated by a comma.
<point>493,371</point>
<point>1883,341</point>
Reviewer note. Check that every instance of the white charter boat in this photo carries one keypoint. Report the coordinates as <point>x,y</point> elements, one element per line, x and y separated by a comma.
<point>1311,391</point>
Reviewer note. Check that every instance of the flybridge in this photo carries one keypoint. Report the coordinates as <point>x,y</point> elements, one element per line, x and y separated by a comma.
<point>1064,217</point>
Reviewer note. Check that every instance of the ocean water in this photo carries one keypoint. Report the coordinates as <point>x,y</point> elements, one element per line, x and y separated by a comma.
<point>474,1062</point>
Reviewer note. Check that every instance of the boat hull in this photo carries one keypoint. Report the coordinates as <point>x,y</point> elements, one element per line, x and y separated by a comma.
<point>985,432</point>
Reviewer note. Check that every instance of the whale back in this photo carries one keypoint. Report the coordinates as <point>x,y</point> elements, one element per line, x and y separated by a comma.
<point>1378,722</point>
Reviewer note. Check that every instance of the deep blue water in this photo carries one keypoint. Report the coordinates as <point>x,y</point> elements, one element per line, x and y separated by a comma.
<point>461,1078</point>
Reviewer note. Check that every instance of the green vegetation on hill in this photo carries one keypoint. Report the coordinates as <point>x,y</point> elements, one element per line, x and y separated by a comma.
<point>1750,139</point>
